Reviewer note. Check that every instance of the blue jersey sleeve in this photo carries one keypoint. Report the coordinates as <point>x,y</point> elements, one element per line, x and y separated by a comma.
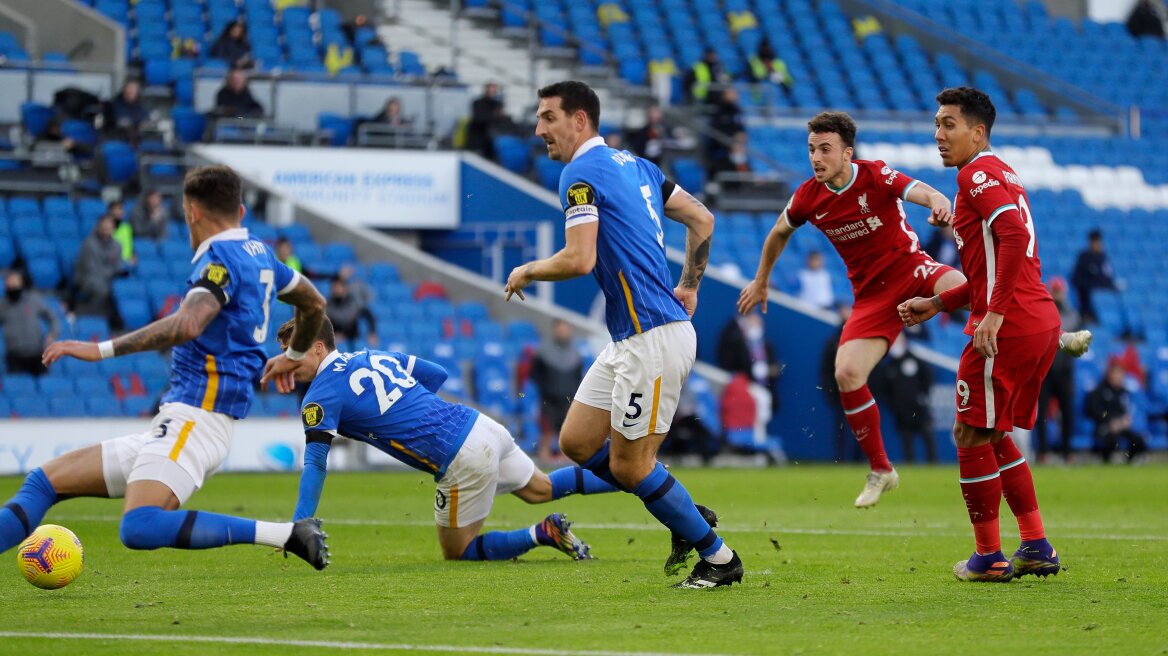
<point>322,407</point>
<point>214,274</point>
<point>580,195</point>
<point>286,277</point>
<point>312,478</point>
<point>429,374</point>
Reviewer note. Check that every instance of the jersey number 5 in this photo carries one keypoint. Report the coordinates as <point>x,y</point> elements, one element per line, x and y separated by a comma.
<point>384,367</point>
<point>647,192</point>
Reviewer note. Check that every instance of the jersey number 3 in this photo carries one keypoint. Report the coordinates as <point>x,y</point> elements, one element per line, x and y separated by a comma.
<point>384,367</point>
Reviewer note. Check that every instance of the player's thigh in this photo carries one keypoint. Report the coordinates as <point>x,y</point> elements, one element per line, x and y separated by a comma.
<point>78,473</point>
<point>515,467</point>
<point>650,370</point>
<point>1034,355</point>
<point>185,446</point>
<point>985,390</point>
<point>466,491</point>
<point>454,541</point>
<point>586,425</point>
<point>631,460</point>
<point>856,358</point>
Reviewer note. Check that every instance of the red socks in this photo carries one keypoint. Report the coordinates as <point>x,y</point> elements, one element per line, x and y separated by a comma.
<point>864,418</point>
<point>982,487</point>
<point>1018,488</point>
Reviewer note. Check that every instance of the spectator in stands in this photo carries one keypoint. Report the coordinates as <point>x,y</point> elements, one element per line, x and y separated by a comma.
<point>1059,384</point>
<point>284,254</point>
<point>1092,271</point>
<point>98,264</point>
<point>125,113</point>
<point>556,370</point>
<point>234,99</point>
<point>1146,19</point>
<point>815,282</point>
<point>150,218</point>
<point>123,231</point>
<point>1109,405</point>
<point>346,311</point>
<point>736,162</point>
<point>743,348</point>
<point>1129,357</point>
<point>846,448</point>
<point>766,66</point>
<point>705,73</point>
<point>22,312</point>
<point>651,140</point>
<point>727,117</point>
<point>905,383</point>
<point>689,433</point>
<point>358,288</point>
<point>943,247</point>
<point>390,117</point>
<point>487,120</point>
<point>232,46</point>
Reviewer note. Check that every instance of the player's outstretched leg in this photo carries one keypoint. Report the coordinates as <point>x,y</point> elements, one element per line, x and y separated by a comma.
<point>863,416</point>
<point>680,548</point>
<point>151,527</point>
<point>577,480</point>
<point>1035,555</point>
<point>554,531</point>
<point>21,514</point>
<point>981,485</point>
<point>1075,343</point>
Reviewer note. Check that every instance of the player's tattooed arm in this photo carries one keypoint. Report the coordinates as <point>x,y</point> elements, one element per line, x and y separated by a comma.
<point>699,222</point>
<point>197,311</point>
<point>310,313</point>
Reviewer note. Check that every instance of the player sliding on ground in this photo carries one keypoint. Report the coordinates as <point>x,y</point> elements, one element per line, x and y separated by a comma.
<point>1015,328</point>
<point>388,400</point>
<point>613,203</point>
<point>217,335</point>
<point>858,204</point>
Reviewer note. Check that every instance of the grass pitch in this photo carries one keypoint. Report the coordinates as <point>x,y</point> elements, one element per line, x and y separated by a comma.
<point>821,577</point>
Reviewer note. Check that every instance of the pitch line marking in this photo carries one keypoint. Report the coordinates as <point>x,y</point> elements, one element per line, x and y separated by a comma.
<point>939,531</point>
<point>327,644</point>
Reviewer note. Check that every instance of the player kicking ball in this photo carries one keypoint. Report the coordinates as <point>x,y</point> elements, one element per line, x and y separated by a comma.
<point>1014,324</point>
<point>388,400</point>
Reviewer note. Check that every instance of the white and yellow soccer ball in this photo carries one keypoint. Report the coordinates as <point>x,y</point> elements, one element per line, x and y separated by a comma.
<point>52,557</point>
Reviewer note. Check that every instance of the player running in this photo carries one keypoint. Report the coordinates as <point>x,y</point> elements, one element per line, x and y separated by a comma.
<point>1015,328</point>
<point>388,400</point>
<point>217,335</point>
<point>613,204</point>
<point>858,204</point>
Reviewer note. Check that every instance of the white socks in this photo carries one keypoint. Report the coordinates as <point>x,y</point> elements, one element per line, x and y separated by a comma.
<point>722,556</point>
<point>273,534</point>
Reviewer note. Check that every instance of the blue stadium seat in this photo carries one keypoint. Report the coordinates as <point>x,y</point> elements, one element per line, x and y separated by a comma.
<point>35,118</point>
<point>121,164</point>
<point>29,405</point>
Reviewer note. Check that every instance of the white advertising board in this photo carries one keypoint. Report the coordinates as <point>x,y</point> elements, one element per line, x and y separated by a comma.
<point>406,189</point>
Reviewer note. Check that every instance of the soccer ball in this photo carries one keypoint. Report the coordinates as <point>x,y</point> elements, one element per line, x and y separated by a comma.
<point>51,557</point>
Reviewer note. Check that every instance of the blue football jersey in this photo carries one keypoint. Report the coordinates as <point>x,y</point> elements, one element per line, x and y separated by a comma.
<point>218,370</point>
<point>624,193</point>
<point>384,399</point>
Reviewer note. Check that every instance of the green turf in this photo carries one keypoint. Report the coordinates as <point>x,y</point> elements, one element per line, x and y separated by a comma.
<point>821,577</point>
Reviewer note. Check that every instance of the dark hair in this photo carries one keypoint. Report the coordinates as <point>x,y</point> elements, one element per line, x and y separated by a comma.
<point>216,189</point>
<point>1095,235</point>
<point>975,105</point>
<point>325,335</point>
<point>575,96</point>
<point>838,122</point>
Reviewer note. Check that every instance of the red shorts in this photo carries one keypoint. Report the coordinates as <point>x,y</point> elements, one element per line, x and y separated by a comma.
<point>874,313</point>
<point>1002,393</point>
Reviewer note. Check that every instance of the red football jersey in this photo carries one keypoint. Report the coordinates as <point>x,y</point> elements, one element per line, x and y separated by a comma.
<point>864,220</point>
<point>1005,277</point>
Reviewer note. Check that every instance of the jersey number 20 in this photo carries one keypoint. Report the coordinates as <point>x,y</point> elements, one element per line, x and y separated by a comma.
<point>384,367</point>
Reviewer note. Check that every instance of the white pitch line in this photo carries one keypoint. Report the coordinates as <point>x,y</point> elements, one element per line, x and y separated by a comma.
<point>934,532</point>
<point>326,644</point>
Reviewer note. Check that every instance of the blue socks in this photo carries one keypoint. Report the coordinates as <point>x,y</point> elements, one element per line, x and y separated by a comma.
<point>598,465</point>
<point>24,512</point>
<point>574,480</point>
<point>500,545</point>
<point>151,527</point>
<point>668,501</point>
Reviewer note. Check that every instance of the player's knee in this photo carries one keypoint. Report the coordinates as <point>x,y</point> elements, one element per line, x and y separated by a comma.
<point>849,377</point>
<point>139,528</point>
<point>574,448</point>
<point>629,472</point>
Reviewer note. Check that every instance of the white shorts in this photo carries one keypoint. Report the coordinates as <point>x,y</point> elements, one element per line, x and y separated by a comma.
<point>488,464</point>
<point>183,447</point>
<point>638,379</point>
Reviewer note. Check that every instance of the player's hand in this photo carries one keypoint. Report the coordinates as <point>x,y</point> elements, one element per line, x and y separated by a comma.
<point>753,294</point>
<point>279,370</point>
<point>520,277</point>
<point>688,298</point>
<point>985,336</point>
<point>917,310</point>
<point>86,351</point>
<point>941,212</point>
